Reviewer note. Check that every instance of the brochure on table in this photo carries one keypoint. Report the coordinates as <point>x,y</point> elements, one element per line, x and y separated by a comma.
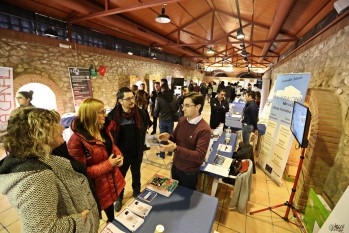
<point>147,195</point>
<point>162,185</point>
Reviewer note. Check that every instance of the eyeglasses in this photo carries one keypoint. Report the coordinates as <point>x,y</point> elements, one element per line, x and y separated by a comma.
<point>129,98</point>
<point>187,105</point>
<point>102,112</point>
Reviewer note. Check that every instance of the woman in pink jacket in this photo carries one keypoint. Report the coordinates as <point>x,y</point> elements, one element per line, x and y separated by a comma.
<point>93,145</point>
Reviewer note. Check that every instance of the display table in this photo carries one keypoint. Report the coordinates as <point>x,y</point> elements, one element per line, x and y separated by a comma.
<point>185,210</point>
<point>214,149</point>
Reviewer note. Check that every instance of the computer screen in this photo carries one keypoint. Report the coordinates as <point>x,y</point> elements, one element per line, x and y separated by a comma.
<point>300,123</point>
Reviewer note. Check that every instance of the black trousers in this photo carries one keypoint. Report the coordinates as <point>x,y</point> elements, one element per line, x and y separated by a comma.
<point>109,211</point>
<point>186,179</point>
<point>155,124</point>
<point>135,165</point>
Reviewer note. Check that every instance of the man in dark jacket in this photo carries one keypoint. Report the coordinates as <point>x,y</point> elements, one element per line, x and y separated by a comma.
<point>165,106</point>
<point>219,106</point>
<point>249,117</point>
<point>153,96</point>
<point>129,136</point>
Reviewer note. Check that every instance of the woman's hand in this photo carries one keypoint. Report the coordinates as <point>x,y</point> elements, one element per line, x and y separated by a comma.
<point>171,146</point>
<point>114,160</point>
<point>120,160</point>
<point>163,137</point>
<point>84,214</point>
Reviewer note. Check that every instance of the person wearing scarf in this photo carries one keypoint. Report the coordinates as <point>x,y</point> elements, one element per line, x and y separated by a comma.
<point>129,136</point>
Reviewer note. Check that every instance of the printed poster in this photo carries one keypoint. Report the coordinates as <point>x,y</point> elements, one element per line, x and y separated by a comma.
<point>7,100</point>
<point>80,83</point>
<point>278,138</point>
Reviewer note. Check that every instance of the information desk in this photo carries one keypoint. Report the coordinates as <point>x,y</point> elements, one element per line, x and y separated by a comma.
<point>214,150</point>
<point>185,210</point>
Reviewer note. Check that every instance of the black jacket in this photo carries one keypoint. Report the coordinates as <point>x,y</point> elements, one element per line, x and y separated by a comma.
<point>250,114</point>
<point>140,133</point>
<point>218,110</point>
<point>165,109</point>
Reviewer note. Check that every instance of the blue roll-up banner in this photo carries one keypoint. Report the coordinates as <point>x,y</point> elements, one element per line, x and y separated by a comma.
<point>278,138</point>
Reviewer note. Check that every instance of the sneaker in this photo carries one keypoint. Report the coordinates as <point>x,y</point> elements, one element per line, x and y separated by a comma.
<point>158,155</point>
<point>118,205</point>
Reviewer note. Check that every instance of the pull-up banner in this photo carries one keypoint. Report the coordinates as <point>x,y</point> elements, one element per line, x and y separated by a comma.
<point>278,138</point>
<point>80,83</point>
<point>7,102</point>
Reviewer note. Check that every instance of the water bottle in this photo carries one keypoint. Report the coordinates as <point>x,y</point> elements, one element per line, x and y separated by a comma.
<point>227,135</point>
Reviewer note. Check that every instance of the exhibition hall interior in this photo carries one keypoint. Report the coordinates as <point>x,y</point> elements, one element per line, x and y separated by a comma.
<point>231,115</point>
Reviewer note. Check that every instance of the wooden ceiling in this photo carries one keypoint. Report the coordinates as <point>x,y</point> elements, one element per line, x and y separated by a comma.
<point>271,27</point>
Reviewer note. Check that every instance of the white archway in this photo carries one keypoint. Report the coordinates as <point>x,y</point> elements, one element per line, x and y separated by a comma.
<point>43,96</point>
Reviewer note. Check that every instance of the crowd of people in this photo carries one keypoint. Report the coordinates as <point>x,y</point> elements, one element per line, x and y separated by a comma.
<point>59,186</point>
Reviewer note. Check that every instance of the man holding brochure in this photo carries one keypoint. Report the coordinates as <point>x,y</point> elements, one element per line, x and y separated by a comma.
<point>189,141</point>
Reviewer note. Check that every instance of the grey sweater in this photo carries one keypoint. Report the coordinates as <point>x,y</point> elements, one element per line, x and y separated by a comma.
<point>49,200</point>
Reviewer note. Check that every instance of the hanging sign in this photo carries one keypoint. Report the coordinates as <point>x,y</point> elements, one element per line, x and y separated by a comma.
<point>278,138</point>
<point>7,102</point>
<point>80,83</point>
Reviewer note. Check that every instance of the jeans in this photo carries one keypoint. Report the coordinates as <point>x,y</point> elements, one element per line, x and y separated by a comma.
<point>166,126</point>
<point>186,179</point>
<point>246,131</point>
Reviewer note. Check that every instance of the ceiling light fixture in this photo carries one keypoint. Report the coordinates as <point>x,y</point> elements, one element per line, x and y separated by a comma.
<point>243,52</point>
<point>210,51</point>
<point>245,59</point>
<point>50,32</point>
<point>163,18</point>
<point>240,34</point>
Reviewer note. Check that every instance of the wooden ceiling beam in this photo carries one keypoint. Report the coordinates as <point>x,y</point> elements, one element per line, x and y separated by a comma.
<point>122,9</point>
<point>230,42</point>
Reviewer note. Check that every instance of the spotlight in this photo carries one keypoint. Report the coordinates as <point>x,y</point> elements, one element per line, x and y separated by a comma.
<point>163,18</point>
<point>210,51</point>
<point>240,34</point>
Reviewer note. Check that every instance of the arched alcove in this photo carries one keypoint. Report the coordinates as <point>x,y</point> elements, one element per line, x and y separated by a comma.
<point>324,140</point>
<point>34,78</point>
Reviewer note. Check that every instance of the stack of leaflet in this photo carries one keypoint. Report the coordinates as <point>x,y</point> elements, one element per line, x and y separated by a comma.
<point>221,164</point>
<point>132,216</point>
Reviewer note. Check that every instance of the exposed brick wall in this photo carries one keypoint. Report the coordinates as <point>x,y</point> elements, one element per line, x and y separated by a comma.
<point>326,57</point>
<point>323,145</point>
<point>41,60</point>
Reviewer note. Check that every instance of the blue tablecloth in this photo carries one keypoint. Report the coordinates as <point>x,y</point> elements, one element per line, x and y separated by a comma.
<point>221,140</point>
<point>185,210</point>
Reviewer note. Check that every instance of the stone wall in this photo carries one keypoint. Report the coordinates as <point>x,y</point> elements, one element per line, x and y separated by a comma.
<point>33,56</point>
<point>326,56</point>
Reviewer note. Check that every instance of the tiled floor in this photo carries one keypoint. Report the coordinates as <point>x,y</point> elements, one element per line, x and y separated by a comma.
<point>264,193</point>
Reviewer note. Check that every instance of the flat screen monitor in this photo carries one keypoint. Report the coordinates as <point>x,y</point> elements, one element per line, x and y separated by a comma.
<point>300,123</point>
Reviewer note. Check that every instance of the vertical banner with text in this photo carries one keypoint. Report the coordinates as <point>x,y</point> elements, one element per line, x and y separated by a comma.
<point>278,137</point>
<point>81,84</point>
<point>6,96</point>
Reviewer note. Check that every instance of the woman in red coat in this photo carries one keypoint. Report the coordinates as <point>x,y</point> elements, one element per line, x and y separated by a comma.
<point>93,145</point>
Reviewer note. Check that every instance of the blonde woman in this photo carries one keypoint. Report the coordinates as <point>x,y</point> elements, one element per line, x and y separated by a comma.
<point>47,193</point>
<point>93,145</point>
